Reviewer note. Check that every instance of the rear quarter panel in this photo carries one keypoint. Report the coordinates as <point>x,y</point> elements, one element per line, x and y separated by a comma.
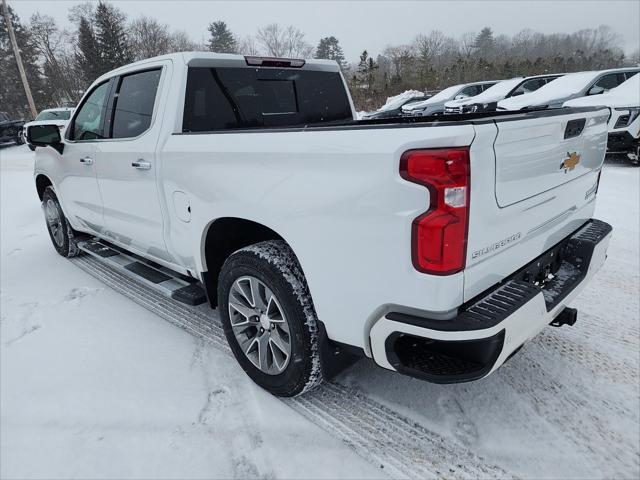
<point>335,196</point>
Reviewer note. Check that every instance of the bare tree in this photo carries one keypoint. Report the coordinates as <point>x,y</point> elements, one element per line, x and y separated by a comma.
<point>148,38</point>
<point>467,44</point>
<point>179,41</point>
<point>402,61</point>
<point>248,46</point>
<point>54,48</point>
<point>284,42</point>
<point>81,10</point>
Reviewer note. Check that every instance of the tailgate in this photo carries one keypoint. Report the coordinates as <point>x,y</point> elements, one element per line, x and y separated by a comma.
<point>535,155</point>
<point>533,182</point>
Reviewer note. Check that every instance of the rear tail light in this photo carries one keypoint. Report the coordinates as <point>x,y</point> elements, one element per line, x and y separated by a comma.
<point>439,236</point>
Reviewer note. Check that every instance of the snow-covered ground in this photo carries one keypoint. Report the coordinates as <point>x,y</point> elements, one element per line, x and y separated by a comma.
<point>94,385</point>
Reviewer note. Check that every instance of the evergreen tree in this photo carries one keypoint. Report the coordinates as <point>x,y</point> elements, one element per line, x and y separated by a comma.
<point>329,49</point>
<point>113,45</point>
<point>221,39</point>
<point>485,43</point>
<point>361,73</point>
<point>87,55</point>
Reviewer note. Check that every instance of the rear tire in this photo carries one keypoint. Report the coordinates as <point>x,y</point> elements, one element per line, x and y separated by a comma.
<point>269,320</point>
<point>63,237</point>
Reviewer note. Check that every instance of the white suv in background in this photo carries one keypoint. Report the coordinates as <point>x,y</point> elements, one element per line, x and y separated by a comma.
<point>624,124</point>
<point>55,116</point>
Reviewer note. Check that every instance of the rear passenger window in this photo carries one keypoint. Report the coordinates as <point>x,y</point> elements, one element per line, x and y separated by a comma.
<point>133,103</point>
<point>236,98</point>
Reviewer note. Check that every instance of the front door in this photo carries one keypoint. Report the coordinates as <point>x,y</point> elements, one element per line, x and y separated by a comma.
<point>78,184</point>
<point>126,164</point>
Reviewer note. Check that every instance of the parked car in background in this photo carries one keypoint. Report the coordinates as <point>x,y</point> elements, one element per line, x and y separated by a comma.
<point>573,85</point>
<point>10,130</point>
<point>624,124</point>
<point>56,116</point>
<point>488,100</point>
<point>435,105</point>
<point>393,106</point>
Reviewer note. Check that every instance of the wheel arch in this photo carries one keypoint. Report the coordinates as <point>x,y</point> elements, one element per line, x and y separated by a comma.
<point>42,182</point>
<point>222,237</point>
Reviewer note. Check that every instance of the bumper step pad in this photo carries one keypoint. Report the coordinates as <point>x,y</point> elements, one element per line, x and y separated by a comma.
<point>168,283</point>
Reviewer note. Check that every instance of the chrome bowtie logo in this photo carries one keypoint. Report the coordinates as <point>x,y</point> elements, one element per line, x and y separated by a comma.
<point>570,162</point>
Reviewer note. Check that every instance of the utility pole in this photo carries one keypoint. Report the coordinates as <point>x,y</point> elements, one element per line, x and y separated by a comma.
<point>16,52</point>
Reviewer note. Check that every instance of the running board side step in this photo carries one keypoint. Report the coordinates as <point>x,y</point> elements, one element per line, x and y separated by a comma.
<point>165,281</point>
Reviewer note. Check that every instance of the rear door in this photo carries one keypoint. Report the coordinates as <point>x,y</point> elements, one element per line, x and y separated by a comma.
<point>126,163</point>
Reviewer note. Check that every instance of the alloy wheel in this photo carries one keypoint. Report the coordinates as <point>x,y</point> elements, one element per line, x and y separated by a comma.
<point>259,325</point>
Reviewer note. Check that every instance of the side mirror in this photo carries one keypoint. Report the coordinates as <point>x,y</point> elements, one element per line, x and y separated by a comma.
<point>45,135</point>
<point>460,96</point>
<point>596,90</point>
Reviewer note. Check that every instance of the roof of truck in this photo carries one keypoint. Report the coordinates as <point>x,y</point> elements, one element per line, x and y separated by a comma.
<point>211,59</point>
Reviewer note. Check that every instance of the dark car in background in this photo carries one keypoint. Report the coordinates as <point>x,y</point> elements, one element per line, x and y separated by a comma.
<point>10,130</point>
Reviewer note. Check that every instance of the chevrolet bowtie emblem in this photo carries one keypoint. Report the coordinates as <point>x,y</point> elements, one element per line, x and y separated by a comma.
<point>570,162</point>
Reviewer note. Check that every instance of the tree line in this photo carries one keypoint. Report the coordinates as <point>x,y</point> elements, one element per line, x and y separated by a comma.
<point>61,62</point>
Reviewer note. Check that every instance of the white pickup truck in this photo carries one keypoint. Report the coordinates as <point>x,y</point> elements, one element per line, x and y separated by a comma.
<point>435,247</point>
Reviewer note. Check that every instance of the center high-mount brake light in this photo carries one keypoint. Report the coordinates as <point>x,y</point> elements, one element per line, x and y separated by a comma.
<point>439,236</point>
<point>274,62</point>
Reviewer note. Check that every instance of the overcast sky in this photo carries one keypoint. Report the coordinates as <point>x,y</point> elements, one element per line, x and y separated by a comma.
<point>373,24</point>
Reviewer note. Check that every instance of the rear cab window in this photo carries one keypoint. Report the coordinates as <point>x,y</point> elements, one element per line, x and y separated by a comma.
<point>226,98</point>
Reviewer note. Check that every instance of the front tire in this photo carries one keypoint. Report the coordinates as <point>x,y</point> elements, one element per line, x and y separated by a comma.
<point>269,319</point>
<point>63,237</point>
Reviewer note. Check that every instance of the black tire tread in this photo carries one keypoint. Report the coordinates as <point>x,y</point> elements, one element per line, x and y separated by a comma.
<point>277,256</point>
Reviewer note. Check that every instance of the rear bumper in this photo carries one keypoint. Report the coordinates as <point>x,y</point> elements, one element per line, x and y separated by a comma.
<point>494,325</point>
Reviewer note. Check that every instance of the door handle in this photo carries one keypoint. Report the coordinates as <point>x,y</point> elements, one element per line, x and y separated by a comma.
<point>141,165</point>
<point>86,161</point>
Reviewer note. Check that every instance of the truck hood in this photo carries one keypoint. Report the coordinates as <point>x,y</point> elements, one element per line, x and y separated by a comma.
<point>60,123</point>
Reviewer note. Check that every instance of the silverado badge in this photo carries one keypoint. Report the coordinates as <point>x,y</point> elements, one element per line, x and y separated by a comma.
<point>570,162</point>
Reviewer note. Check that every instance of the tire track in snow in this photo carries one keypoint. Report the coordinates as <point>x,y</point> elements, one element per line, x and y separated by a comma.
<point>574,412</point>
<point>380,435</point>
<point>600,363</point>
